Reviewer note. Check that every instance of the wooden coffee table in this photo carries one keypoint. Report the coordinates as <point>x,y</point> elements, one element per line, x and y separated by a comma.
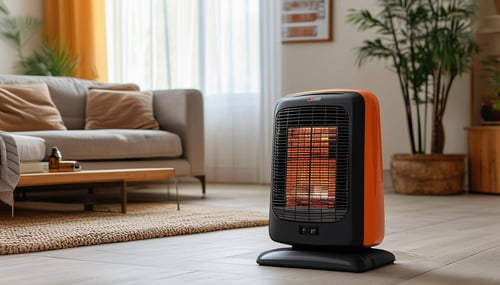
<point>101,176</point>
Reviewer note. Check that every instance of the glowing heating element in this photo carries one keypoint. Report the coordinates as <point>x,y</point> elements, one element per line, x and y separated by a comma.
<point>310,171</point>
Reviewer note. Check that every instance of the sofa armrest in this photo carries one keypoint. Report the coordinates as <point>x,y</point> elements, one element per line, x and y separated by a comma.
<point>181,111</point>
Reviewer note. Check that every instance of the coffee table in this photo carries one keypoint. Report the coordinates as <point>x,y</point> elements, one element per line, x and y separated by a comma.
<point>101,176</point>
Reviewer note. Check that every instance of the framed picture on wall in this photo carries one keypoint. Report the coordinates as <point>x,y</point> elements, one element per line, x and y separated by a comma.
<point>306,20</point>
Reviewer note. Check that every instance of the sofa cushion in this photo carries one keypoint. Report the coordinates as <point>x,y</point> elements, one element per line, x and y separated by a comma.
<point>30,148</point>
<point>69,94</point>
<point>28,107</point>
<point>111,144</point>
<point>118,109</point>
<point>117,86</point>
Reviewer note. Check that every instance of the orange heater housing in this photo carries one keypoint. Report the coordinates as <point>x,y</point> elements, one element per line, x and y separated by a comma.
<point>327,176</point>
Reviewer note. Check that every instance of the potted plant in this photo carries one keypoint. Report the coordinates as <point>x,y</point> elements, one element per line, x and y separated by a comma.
<point>428,44</point>
<point>490,110</point>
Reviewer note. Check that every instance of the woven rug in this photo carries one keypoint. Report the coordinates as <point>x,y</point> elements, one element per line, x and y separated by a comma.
<point>36,228</point>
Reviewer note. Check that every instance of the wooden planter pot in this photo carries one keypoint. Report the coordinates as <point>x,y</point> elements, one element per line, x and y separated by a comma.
<point>434,174</point>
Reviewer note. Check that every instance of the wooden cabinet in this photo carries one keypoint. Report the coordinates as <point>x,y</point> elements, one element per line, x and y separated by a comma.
<point>487,36</point>
<point>484,159</point>
<point>484,136</point>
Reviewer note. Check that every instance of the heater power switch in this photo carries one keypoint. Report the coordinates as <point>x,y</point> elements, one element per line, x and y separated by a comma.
<point>314,231</point>
<point>303,230</point>
<point>308,230</point>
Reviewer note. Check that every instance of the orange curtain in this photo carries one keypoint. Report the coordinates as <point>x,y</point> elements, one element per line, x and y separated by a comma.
<point>79,24</point>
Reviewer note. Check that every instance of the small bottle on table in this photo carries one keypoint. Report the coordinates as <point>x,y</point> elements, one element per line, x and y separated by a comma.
<point>54,160</point>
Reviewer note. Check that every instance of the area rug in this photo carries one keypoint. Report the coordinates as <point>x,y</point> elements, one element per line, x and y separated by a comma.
<point>38,227</point>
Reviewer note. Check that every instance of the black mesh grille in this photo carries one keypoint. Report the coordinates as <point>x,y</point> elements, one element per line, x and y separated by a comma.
<point>311,157</point>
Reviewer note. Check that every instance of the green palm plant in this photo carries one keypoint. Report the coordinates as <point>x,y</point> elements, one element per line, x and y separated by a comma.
<point>53,58</point>
<point>17,31</point>
<point>428,44</point>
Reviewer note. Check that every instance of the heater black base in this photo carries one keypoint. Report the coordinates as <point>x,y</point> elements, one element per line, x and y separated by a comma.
<point>351,261</point>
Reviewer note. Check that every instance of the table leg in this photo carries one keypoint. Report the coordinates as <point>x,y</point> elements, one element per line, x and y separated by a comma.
<point>174,179</point>
<point>168,189</point>
<point>177,193</point>
<point>124,196</point>
<point>88,201</point>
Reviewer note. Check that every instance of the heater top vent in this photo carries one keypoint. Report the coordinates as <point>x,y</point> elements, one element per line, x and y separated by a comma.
<point>311,163</point>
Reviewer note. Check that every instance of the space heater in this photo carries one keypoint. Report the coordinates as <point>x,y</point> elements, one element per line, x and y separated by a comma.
<point>327,197</point>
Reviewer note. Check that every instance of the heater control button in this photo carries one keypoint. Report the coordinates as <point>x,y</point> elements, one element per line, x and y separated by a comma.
<point>303,230</point>
<point>307,230</point>
<point>314,231</point>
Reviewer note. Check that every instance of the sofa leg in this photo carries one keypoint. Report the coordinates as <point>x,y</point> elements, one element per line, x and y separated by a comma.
<point>203,184</point>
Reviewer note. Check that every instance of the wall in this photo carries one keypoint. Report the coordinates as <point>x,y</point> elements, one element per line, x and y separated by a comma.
<point>8,54</point>
<point>309,66</point>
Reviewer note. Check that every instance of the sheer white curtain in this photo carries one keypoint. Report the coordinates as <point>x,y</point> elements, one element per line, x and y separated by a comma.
<point>229,49</point>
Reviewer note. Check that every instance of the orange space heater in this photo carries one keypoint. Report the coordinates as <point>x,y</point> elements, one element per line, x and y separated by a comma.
<point>327,197</point>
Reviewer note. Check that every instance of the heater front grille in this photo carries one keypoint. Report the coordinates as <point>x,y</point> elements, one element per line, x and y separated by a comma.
<point>311,170</point>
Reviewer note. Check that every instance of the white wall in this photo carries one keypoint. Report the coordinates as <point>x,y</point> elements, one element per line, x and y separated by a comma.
<point>309,66</point>
<point>8,54</point>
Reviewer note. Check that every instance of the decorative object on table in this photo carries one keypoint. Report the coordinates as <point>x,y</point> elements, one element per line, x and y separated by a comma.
<point>56,164</point>
<point>54,159</point>
<point>428,44</point>
<point>307,21</point>
<point>327,196</point>
<point>69,166</point>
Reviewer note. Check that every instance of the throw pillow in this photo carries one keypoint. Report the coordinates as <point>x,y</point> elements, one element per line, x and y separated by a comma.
<point>113,109</point>
<point>28,107</point>
<point>117,86</point>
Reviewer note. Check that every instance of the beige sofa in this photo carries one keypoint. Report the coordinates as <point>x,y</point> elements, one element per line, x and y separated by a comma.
<point>179,143</point>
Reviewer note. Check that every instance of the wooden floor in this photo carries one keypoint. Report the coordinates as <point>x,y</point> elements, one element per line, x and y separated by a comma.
<point>436,240</point>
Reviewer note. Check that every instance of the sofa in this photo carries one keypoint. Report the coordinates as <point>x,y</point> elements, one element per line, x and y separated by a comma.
<point>176,138</point>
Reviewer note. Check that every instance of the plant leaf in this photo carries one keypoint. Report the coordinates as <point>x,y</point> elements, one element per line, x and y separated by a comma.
<point>54,59</point>
<point>3,8</point>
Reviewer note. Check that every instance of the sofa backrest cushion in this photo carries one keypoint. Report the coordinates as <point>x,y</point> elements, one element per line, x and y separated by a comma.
<point>118,109</point>
<point>28,107</point>
<point>68,94</point>
<point>119,86</point>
